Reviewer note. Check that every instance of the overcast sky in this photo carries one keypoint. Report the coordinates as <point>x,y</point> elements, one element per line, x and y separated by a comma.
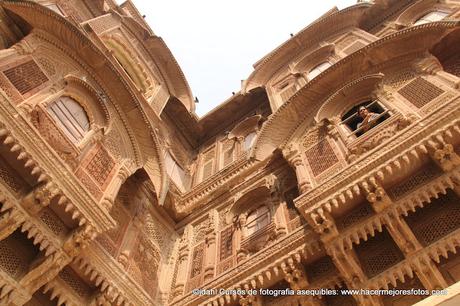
<point>217,42</point>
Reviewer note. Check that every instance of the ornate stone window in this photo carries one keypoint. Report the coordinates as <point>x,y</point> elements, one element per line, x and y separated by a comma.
<point>257,220</point>
<point>318,69</point>
<point>207,162</point>
<point>249,140</point>
<point>70,117</point>
<point>431,17</point>
<point>364,116</point>
<point>228,150</point>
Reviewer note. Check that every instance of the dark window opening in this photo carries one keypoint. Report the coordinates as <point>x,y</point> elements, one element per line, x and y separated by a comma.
<point>365,116</point>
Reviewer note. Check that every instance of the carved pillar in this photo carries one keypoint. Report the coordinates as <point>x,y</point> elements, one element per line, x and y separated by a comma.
<point>276,199</point>
<point>444,155</point>
<point>78,240</point>
<point>210,257</point>
<point>39,198</point>
<point>401,233</point>
<point>44,271</point>
<point>113,188</point>
<point>348,266</point>
<point>10,218</point>
<point>293,156</point>
<point>345,260</point>
<point>294,274</point>
<point>241,225</point>
<point>184,252</point>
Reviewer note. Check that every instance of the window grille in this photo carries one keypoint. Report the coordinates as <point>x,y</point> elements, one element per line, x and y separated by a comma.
<point>70,117</point>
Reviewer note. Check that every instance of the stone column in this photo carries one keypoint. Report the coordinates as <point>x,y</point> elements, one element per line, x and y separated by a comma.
<point>182,261</point>
<point>210,256</point>
<point>348,266</point>
<point>210,261</point>
<point>11,219</point>
<point>403,236</point>
<point>39,198</point>
<point>112,190</point>
<point>294,158</point>
<point>241,253</point>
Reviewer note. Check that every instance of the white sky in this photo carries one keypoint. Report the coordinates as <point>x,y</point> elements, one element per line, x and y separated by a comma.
<point>217,42</point>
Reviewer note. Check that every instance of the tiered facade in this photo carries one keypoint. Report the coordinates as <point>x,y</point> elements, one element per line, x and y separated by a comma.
<point>336,165</point>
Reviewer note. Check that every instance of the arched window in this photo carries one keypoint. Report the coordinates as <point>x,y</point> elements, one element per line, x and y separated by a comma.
<point>318,69</point>
<point>249,140</point>
<point>431,17</point>
<point>257,220</point>
<point>364,116</point>
<point>70,117</point>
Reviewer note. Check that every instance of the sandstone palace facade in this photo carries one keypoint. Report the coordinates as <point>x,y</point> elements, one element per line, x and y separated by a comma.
<point>336,165</point>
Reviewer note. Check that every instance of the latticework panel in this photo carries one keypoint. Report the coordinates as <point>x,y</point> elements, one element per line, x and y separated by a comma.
<point>74,281</point>
<point>378,253</point>
<point>420,92</point>
<point>311,137</point>
<point>436,219</point>
<point>16,253</point>
<point>47,66</point>
<point>89,183</point>
<point>225,265</point>
<point>103,23</point>
<point>113,143</point>
<point>226,243</point>
<point>10,177</point>
<point>453,66</point>
<point>415,181</point>
<point>54,223</point>
<point>26,76</point>
<point>357,215</point>
<point>321,157</point>
<point>106,244</point>
<point>197,261</point>
<point>100,166</point>
<point>400,76</point>
<point>193,283</point>
<point>154,232</point>
<point>320,268</point>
